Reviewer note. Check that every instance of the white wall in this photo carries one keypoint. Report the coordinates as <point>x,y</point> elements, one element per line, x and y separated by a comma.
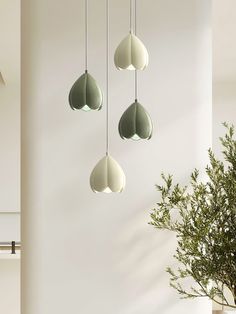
<point>86,252</point>
<point>224,70</point>
<point>9,286</point>
<point>224,110</point>
<point>224,67</point>
<point>224,47</point>
<point>9,227</point>
<point>10,105</point>
<point>10,151</point>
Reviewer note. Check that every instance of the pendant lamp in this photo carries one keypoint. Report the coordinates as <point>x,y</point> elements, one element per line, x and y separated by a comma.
<point>135,123</point>
<point>107,176</point>
<point>85,94</point>
<point>131,54</point>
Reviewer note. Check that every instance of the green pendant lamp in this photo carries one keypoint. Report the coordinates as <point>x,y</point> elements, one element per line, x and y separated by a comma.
<point>131,54</point>
<point>135,123</point>
<point>85,94</point>
<point>107,176</point>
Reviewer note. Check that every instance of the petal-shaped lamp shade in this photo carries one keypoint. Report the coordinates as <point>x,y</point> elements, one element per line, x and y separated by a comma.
<point>135,123</point>
<point>131,54</point>
<point>85,94</point>
<point>107,176</point>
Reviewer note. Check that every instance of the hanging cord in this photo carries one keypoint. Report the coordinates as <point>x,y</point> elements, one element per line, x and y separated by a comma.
<point>130,16</point>
<point>107,78</point>
<point>86,36</point>
<point>136,72</point>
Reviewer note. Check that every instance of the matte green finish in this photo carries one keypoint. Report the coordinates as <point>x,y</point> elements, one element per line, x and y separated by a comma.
<point>135,123</point>
<point>85,94</point>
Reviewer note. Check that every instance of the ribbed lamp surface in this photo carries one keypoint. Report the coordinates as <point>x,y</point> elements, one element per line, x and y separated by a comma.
<point>131,54</point>
<point>107,176</point>
<point>135,123</point>
<point>85,94</point>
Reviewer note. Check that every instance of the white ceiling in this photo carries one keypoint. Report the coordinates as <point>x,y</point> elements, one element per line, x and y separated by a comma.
<point>224,40</point>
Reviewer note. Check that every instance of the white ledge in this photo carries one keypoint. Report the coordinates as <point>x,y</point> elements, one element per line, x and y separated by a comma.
<point>9,256</point>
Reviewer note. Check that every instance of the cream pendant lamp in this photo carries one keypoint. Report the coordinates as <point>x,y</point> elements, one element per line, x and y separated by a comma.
<point>107,176</point>
<point>135,123</point>
<point>131,54</point>
<point>85,94</point>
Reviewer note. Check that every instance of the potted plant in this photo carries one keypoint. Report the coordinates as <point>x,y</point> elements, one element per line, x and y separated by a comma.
<point>203,217</point>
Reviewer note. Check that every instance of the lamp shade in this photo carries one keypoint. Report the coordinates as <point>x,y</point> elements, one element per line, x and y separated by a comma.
<point>131,54</point>
<point>107,176</point>
<point>135,123</point>
<point>85,94</point>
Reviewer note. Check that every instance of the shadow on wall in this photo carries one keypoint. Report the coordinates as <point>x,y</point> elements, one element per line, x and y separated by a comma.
<point>140,260</point>
<point>141,256</point>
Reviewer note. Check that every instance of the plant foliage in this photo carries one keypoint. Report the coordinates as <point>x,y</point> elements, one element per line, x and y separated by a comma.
<point>205,226</point>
